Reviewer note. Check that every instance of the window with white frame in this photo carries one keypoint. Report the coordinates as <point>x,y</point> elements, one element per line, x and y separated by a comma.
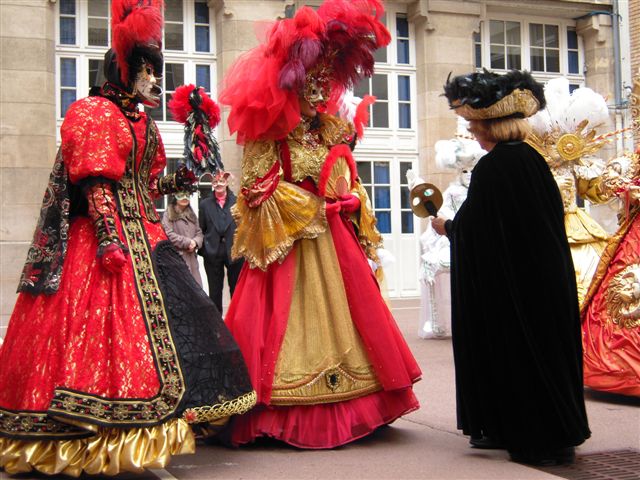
<point>376,179</point>
<point>83,37</point>
<point>547,48</point>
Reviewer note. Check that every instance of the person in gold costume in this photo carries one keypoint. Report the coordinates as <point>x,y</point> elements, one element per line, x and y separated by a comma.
<point>564,134</point>
<point>324,353</point>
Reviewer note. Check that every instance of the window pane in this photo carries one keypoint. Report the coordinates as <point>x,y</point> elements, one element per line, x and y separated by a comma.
<point>404,90</point>
<point>383,197</point>
<point>537,59</point>
<point>513,58</point>
<point>98,33</point>
<point>553,60</point>
<point>174,76</point>
<point>513,33</point>
<point>202,39</point>
<point>536,35</point>
<point>202,12</point>
<point>496,29</point>
<point>497,56</point>
<point>407,222</point>
<point>384,222</point>
<point>404,115</point>
<point>173,11</point>
<point>402,26</point>
<point>67,72</point>
<point>404,167</point>
<point>67,7</point>
<point>380,87</point>
<point>380,115</point>
<point>404,196</point>
<point>173,36</point>
<point>403,51</point>
<point>573,87</point>
<point>67,31</point>
<point>381,174</point>
<point>362,88</point>
<point>478,55</point>
<point>364,172</point>
<point>551,36</point>
<point>99,8</point>
<point>156,113</point>
<point>203,77</point>
<point>573,63</point>
<point>381,55</point>
<point>572,39</point>
<point>96,72</point>
<point>67,97</point>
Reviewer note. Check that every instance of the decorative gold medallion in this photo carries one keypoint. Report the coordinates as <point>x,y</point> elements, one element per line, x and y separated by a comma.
<point>333,379</point>
<point>570,146</point>
<point>623,297</point>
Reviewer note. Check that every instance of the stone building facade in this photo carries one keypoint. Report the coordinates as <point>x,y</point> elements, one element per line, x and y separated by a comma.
<point>50,53</point>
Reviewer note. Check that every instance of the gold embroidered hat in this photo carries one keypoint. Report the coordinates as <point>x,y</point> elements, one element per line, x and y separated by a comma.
<point>486,95</point>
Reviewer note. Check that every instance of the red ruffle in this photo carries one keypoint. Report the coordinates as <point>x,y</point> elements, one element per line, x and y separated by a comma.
<point>325,425</point>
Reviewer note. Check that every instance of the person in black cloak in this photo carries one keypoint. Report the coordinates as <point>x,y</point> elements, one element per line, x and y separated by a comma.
<point>515,317</point>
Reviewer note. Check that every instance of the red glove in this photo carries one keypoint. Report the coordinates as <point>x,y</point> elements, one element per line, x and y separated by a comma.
<point>113,258</point>
<point>349,203</point>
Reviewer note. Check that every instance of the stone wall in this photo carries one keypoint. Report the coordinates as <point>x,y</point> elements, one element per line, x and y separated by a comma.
<point>27,132</point>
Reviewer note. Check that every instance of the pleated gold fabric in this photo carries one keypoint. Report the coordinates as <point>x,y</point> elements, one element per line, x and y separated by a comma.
<point>109,452</point>
<point>266,234</point>
<point>322,358</point>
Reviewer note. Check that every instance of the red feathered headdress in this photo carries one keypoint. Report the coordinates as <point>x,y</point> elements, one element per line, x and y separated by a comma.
<point>336,43</point>
<point>135,24</point>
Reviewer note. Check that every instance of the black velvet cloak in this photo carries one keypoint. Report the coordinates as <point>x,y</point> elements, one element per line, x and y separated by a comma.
<point>515,323</point>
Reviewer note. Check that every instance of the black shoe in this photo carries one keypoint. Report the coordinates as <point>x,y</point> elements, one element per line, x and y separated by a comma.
<point>486,443</point>
<point>544,458</point>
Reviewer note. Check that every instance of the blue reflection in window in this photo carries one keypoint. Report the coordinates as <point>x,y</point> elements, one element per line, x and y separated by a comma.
<point>203,77</point>
<point>67,72</point>
<point>383,197</point>
<point>573,62</point>
<point>67,97</point>
<point>67,7</point>
<point>403,51</point>
<point>202,12</point>
<point>384,222</point>
<point>67,30</point>
<point>402,26</point>
<point>572,39</point>
<point>407,222</point>
<point>404,115</point>
<point>202,39</point>
<point>404,88</point>
<point>381,172</point>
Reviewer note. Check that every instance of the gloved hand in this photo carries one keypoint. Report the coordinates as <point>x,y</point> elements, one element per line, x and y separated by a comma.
<point>349,203</point>
<point>113,258</point>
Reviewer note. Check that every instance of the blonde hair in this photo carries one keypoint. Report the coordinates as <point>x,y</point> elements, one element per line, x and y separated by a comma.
<point>497,130</point>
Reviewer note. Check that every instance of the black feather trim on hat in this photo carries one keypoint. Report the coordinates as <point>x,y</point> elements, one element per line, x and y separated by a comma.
<point>483,89</point>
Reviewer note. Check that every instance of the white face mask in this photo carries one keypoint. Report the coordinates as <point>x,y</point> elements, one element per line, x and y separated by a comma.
<point>146,87</point>
<point>465,177</point>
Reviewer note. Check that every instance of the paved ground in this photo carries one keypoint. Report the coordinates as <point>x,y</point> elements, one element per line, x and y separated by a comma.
<point>423,445</point>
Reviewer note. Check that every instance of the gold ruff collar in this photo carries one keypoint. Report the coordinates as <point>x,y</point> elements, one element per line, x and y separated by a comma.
<point>519,101</point>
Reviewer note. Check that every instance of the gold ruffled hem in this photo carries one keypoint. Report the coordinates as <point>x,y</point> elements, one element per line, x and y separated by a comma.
<point>109,452</point>
<point>266,233</point>
<point>581,228</point>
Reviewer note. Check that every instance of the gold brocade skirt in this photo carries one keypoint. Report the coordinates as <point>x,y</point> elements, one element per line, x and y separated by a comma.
<point>322,358</point>
<point>109,452</point>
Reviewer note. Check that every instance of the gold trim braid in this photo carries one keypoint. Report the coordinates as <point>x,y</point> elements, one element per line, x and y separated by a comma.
<point>519,101</point>
<point>237,406</point>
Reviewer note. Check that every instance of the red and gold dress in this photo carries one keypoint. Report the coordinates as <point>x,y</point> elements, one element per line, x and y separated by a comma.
<point>326,357</point>
<point>104,372</point>
<point>611,317</point>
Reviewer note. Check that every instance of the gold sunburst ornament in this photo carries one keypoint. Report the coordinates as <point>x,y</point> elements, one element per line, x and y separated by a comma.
<point>570,146</point>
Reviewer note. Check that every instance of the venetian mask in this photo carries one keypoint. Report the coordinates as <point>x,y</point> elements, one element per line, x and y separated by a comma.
<point>146,86</point>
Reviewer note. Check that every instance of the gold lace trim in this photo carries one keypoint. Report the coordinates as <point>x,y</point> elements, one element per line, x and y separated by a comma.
<point>368,234</point>
<point>257,160</point>
<point>237,406</point>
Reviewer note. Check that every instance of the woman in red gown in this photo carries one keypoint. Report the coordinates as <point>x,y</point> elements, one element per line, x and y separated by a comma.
<point>611,314</point>
<point>324,353</point>
<point>112,349</point>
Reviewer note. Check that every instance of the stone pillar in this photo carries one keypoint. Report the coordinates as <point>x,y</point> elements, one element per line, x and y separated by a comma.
<point>237,22</point>
<point>27,132</point>
<point>444,44</point>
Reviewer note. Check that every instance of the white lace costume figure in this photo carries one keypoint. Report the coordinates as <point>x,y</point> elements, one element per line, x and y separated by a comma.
<point>461,154</point>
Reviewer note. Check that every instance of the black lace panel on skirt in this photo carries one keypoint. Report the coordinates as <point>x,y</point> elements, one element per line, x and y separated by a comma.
<point>212,364</point>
